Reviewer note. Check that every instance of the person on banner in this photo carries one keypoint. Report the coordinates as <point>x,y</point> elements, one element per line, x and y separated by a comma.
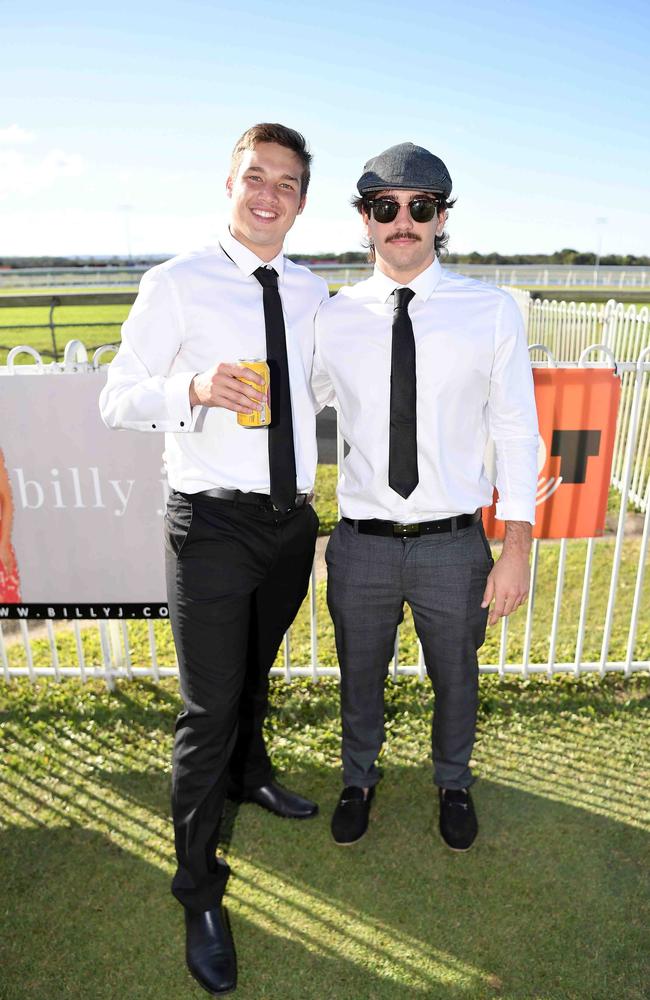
<point>9,578</point>
<point>240,528</point>
<point>422,365</point>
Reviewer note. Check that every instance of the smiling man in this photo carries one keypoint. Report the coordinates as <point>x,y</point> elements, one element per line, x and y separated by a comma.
<point>421,365</point>
<point>240,529</point>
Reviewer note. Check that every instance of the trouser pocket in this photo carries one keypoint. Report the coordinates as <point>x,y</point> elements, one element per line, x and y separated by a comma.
<point>178,521</point>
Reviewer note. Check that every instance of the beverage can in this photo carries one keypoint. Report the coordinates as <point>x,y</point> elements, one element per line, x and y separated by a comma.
<point>259,418</point>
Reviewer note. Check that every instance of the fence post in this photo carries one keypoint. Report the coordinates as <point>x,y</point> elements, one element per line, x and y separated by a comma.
<point>53,304</point>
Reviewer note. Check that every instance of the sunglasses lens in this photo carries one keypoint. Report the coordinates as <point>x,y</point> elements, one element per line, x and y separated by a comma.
<point>384,210</point>
<point>423,209</point>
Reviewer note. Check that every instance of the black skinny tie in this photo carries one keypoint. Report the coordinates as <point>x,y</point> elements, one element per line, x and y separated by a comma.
<point>282,459</point>
<point>403,445</point>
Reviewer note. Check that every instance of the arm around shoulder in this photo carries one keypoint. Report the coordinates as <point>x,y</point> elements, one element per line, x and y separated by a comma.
<point>321,384</point>
<point>512,417</point>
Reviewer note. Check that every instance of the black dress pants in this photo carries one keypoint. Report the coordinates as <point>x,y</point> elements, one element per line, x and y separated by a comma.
<point>236,577</point>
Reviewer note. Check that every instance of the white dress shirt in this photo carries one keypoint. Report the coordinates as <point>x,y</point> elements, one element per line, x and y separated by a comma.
<point>474,380</point>
<point>193,312</point>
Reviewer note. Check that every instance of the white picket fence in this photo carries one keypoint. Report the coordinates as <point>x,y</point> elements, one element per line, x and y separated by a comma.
<point>567,329</point>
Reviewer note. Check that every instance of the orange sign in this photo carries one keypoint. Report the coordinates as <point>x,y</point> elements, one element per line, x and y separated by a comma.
<point>576,409</point>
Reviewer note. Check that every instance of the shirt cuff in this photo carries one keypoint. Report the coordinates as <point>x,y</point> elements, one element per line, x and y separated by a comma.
<point>177,398</point>
<point>516,510</point>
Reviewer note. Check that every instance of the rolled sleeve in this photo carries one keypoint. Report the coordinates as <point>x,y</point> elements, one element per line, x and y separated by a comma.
<point>512,418</point>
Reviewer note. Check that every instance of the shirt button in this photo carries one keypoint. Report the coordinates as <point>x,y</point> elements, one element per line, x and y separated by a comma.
<point>182,423</point>
<point>154,426</point>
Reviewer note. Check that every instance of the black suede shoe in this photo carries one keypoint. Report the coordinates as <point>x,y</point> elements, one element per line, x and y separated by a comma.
<point>278,800</point>
<point>350,818</point>
<point>458,823</point>
<point>209,950</point>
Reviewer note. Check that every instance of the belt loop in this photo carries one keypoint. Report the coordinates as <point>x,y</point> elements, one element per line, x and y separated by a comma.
<point>454,527</point>
<point>356,527</point>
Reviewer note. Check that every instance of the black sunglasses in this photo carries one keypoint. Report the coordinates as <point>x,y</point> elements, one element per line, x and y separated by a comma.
<point>386,209</point>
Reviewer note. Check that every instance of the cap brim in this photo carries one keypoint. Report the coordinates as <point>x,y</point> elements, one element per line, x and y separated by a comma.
<point>400,187</point>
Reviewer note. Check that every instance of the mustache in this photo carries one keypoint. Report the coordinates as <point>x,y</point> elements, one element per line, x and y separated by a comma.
<point>404,236</point>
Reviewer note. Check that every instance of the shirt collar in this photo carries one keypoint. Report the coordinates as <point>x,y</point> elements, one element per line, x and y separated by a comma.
<point>245,259</point>
<point>424,285</point>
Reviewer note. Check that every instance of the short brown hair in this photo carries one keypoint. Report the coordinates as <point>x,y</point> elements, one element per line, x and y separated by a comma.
<point>283,136</point>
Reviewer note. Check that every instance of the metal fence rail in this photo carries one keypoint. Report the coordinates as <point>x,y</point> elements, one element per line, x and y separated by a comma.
<point>567,329</point>
<point>541,275</point>
<point>53,303</point>
<point>545,641</point>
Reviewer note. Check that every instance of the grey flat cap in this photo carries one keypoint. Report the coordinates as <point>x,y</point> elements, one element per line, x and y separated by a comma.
<point>405,166</point>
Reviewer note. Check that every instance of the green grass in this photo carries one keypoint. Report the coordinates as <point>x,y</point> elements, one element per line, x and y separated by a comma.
<point>17,319</point>
<point>589,294</point>
<point>551,904</point>
<point>325,498</point>
<point>53,290</point>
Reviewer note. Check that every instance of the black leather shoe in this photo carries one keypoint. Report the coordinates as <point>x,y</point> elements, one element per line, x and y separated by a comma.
<point>350,818</point>
<point>209,950</point>
<point>279,800</point>
<point>458,823</point>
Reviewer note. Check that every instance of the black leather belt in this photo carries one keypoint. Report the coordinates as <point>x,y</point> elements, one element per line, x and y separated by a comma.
<point>393,529</point>
<point>256,499</point>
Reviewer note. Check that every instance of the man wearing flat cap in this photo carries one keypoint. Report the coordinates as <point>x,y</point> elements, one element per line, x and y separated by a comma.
<point>423,366</point>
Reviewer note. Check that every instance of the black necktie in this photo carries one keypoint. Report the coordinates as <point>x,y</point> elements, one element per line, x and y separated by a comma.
<point>282,459</point>
<point>403,445</point>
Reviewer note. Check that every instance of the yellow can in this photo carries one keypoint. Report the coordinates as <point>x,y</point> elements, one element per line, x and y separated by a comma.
<point>259,418</point>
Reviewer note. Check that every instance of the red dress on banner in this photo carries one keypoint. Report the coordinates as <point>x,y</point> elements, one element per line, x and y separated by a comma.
<point>9,581</point>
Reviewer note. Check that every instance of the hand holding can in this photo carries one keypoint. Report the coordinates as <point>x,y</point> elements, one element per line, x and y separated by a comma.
<point>262,417</point>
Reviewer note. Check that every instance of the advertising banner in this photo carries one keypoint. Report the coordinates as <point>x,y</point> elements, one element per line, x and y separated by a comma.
<point>577,409</point>
<point>81,506</point>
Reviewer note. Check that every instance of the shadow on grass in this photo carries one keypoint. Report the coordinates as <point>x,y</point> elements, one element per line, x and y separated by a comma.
<point>540,908</point>
<point>91,921</point>
<point>46,702</point>
<point>549,904</point>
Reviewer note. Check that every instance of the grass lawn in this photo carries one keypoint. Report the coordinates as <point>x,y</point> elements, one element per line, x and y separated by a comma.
<point>552,903</point>
<point>17,319</point>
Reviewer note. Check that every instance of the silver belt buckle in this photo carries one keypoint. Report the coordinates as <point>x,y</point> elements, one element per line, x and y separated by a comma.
<point>302,500</point>
<point>403,530</point>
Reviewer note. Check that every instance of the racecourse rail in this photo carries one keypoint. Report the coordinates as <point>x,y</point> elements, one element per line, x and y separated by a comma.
<point>542,275</point>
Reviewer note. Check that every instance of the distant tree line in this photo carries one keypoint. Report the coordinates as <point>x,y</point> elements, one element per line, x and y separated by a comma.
<point>96,261</point>
<point>566,256</point>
